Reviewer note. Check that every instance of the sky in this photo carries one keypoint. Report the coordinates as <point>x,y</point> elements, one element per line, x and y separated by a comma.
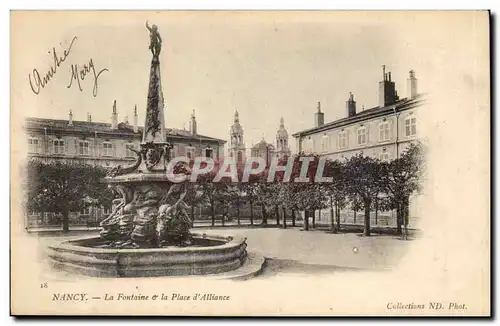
<point>263,64</point>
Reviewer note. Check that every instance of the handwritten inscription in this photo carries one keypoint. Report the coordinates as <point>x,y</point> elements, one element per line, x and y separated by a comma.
<point>38,82</point>
<point>80,73</point>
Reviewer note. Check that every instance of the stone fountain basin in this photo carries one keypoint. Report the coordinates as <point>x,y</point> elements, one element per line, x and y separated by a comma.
<point>215,254</point>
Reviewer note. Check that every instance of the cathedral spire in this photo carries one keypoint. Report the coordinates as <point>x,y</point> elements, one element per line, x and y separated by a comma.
<point>282,122</point>
<point>236,116</point>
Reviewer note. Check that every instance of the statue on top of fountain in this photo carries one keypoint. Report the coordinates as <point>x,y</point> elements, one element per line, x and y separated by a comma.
<point>155,39</point>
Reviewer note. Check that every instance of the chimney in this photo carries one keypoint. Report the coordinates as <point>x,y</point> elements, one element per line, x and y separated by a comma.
<point>70,121</point>
<point>412,85</point>
<point>319,117</point>
<point>351,106</point>
<point>387,90</point>
<point>89,117</point>
<point>192,124</point>
<point>136,129</point>
<point>114,117</point>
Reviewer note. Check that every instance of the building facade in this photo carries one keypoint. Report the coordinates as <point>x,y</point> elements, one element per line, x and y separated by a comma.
<point>383,131</point>
<point>105,144</point>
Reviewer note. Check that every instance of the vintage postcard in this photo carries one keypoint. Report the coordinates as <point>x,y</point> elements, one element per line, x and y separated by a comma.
<point>250,163</point>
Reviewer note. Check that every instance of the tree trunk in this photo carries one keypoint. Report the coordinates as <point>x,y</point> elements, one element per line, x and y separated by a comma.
<point>314,219</point>
<point>306,220</point>
<point>376,210</point>
<point>238,209</point>
<point>354,216</point>
<point>65,220</point>
<point>264,215</point>
<point>366,230</point>
<point>192,215</point>
<point>406,213</point>
<point>223,217</point>
<point>398,218</point>
<point>277,213</point>
<point>293,217</point>
<point>332,216</point>
<point>284,217</point>
<point>251,212</point>
<point>337,208</point>
<point>212,208</point>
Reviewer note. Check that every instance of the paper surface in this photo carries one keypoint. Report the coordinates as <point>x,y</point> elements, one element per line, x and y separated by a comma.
<point>267,65</point>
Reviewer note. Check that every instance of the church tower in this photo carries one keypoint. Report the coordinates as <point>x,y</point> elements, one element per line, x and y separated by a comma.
<point>236,143</point>
<point>282,148</point>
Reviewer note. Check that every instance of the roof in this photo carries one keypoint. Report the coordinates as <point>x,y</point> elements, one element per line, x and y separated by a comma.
<point>400,105</point>
<point>105,128</point>
<point>262,145</point>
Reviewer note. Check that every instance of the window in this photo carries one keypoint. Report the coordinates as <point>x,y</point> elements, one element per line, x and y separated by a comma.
<point>128,150</point>
<point>59,147</point>
<point>190,152</point>
<point>83,147</point>
<point>85,211</point>
<point>410,126</point>
<point>361,136</point>
<point>342,140</point>
<point>107,210</point>
<point>33,145</point>
<point>209,152</point>
<point>325,144</point>
<point>107,149</point>
<point>384,131</point>
<point>240,157</point>
<point>384,156</point>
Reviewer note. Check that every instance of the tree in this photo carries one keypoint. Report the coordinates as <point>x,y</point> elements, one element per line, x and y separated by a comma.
<point>305,196</point>
<point>65,186</point>
<point>214,193</point>
<point>336,191</point>
<point>363,175</point>
<point>263,192</point>
<point>401,178</point>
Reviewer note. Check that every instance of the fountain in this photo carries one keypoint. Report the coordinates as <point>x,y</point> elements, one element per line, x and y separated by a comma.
<point>148,232</point>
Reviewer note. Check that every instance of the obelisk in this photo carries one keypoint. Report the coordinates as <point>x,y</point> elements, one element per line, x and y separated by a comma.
<point>154,147</point>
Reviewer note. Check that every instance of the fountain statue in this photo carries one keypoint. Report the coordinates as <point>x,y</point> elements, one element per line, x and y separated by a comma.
<point>148,231</point>
<point>149,214</point>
